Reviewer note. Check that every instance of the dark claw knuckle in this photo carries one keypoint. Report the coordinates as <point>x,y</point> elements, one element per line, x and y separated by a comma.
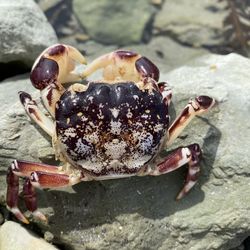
<point>44,73</point>
<point>147,69</point>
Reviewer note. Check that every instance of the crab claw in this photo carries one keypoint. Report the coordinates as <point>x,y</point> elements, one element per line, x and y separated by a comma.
<point>123,65</point>
<point>56,65</point>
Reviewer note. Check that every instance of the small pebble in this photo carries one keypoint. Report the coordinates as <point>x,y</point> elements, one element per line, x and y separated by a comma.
<point>48,236</point>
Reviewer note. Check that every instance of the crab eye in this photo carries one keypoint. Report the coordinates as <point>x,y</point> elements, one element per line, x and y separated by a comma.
<point>44,73</point>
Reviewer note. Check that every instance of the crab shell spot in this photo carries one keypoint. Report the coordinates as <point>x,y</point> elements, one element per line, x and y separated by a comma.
<point>44,73</point>
<point>147,69</point>
<point>124,54</point>
<point>56,50</point>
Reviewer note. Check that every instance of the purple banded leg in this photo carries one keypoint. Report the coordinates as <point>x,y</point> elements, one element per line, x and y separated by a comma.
<point>123,65</point>
<point>35,113</point>
<point>38,175</point>
<point>54,67</point>
<point>30,199</point>
<point>21,169</point>
<point>190,155</point>
<point>199,105</point>
<point>12,195</point>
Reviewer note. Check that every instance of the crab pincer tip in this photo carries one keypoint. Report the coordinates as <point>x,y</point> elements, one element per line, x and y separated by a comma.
<point>23,96</point>
<point>205,102</point>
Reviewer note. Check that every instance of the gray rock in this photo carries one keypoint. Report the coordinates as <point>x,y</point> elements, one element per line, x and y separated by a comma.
<point>14,237</point>
<point>25,31</point>
<point>114,22</point>
<point>193,22</point>
<point>140,212</point>
<point>167,53</point>
<point>47,4</point>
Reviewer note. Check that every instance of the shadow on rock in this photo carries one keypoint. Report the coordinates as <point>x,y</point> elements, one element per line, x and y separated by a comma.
<point>93,204</point>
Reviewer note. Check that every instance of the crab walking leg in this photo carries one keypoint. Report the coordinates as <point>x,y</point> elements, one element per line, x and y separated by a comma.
<point>40,179</point>
<point>30,171</point>
<point>12,195</point>
<point>123,65</point>
<point>195,107</point>
<point>21,169</point>
<point>35,113</point>
<point>190,155</point>
<point>54,67</point>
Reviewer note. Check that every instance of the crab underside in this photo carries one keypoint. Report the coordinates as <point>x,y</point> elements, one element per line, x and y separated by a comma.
<point>111,128</point>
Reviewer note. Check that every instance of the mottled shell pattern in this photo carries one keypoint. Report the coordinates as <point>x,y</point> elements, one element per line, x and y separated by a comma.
<point>111,128</point>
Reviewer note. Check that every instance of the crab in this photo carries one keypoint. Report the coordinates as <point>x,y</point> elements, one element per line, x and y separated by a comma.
<point>107,129</point>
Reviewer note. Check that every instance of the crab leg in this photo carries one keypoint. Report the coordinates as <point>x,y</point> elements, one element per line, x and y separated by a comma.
<point>22,169</point>
<point>37,175</point>
<point>123,65</point>
<point>190,155</point>
<point>35,113</point>
<point>166,92</point>
<point>54,67</point>
<point>195,107</point>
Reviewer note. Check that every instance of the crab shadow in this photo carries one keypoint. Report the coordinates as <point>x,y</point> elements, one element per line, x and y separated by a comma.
<point>95,203</point>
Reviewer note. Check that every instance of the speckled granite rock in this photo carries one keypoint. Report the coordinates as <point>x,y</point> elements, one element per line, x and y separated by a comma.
<point>200,24</point>
<point>25,31</point>
<point>140,212</point>
<point>14,237</point>
<point>114,22</point>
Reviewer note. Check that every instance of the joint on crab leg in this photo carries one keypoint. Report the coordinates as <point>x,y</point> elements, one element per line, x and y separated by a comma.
<point>190,155</point>
<point>123,65</point>
<point>30,199</point>
<point>35,113</point>
<point>199,105</point>
<point>166,92</point>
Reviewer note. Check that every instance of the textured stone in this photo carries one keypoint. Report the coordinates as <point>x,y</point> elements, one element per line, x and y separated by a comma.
<point>14,237</point>
<point>140,212</point>
<point>200,24</point>
<point>114,22</point>
<point>25,31</point>
<point>166,53</point>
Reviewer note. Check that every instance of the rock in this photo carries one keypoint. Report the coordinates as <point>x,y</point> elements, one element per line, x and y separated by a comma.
<point>13,236</point>
<point>162,51</point>
<point>1,219</point>
<point>46,5</point>
<point>201,23</point>
<point>25,31</point>
<point>9,90</point>
<point>119,22</point>
<point>141,212</point>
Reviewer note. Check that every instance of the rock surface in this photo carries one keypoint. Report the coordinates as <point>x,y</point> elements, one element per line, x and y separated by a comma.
<point>140,212</point>
<point>200,24</point>
<point>14,237</point>
<point>114,22</point>
<point>25,31</point>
